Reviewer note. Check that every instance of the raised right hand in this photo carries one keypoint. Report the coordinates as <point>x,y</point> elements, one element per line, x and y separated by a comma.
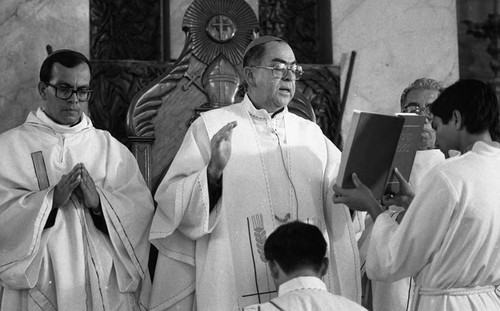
<point>66,185</point>
<point>220,146</point>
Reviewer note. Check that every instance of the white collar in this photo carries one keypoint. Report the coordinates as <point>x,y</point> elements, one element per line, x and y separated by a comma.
<point>40,118</point>
<point>301,282</point>
<point>262,113</point>
<point>485,147</point>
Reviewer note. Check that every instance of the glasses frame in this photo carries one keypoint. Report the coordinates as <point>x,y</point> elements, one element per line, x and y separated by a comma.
<point>415,108</point>
<point>87,93</point>
<point>282,72</point>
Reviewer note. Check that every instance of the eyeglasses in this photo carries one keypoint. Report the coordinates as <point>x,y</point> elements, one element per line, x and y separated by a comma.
<point>66,92</point>
<point>415,108</point>
<point>280,70</point>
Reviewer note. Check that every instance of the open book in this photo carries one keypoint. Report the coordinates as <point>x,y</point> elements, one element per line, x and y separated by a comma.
<point>371,150</point>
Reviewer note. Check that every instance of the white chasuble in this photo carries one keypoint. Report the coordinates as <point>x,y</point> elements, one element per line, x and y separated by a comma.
<point>71,265</point>
<point>281,169</point>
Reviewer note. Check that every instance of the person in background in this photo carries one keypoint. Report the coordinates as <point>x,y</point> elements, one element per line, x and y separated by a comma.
<point>242,171</point>
<point>416,98</point>
<point>449,237</point>
<point>75,211</point>
<point>295,253</point>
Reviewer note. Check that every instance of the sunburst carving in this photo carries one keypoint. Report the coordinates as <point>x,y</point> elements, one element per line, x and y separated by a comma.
<point>236,21</point>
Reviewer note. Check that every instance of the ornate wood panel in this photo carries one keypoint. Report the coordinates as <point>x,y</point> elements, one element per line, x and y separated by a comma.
<point>305,24</point>
<point>126,30</point>
<point>217,33</point>
<point>115,84</point>
<point>128,46</point>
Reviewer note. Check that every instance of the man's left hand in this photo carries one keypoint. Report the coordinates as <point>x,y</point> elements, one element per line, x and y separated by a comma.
<point>359,198</point>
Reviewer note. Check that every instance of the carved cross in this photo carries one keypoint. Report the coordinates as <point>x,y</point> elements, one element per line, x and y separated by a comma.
<point>221,28</point>
<point>191,80</point>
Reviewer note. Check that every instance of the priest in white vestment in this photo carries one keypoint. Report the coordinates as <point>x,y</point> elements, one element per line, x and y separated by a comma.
<point>242,171</point>
<point>75,211</point>
<point>449,237</point>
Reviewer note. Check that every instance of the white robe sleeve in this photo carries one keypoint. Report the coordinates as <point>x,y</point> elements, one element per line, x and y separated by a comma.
<point>396,252</point>
<point>128,209</point>
<point>344,256</point>
<point>23,215</point>
<point>182,216</point>
<point>24,210</point>
<point>182,196</point>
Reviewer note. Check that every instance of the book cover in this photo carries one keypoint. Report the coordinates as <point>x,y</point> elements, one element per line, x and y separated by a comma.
<point>406,149</point>
<point>369,150</point>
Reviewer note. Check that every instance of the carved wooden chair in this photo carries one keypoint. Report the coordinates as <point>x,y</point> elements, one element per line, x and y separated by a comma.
<point>207,75</point>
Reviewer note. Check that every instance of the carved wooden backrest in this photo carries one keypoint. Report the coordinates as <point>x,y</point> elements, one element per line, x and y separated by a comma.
<point>217,33</point>
<point>207,75</point>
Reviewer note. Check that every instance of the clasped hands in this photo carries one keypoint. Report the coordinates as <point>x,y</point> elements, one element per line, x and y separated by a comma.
<point>361,198</point>
<point>77,181</point>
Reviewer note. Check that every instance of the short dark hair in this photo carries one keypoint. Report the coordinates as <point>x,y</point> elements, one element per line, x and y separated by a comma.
<point>253,56</point>
<point>65,57</point>
<point>476,102</point>
<point>296,245</point>
<point>257,48</point>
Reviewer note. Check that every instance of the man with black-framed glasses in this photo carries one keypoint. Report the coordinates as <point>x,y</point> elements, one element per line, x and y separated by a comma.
<point>74,208</point>
<point>64,92</point>
<point>242,171</point>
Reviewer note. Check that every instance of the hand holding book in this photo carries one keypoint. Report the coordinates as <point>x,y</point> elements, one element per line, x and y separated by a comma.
<point>360,198</point>
<point>375,144</point>
<point>405,194</point>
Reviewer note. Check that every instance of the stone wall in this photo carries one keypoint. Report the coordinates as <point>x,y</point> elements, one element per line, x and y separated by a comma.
<point>397,42</point>
<point>26,28</point>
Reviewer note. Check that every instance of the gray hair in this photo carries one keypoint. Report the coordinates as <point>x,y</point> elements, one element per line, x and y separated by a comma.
<point>422,83</point>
